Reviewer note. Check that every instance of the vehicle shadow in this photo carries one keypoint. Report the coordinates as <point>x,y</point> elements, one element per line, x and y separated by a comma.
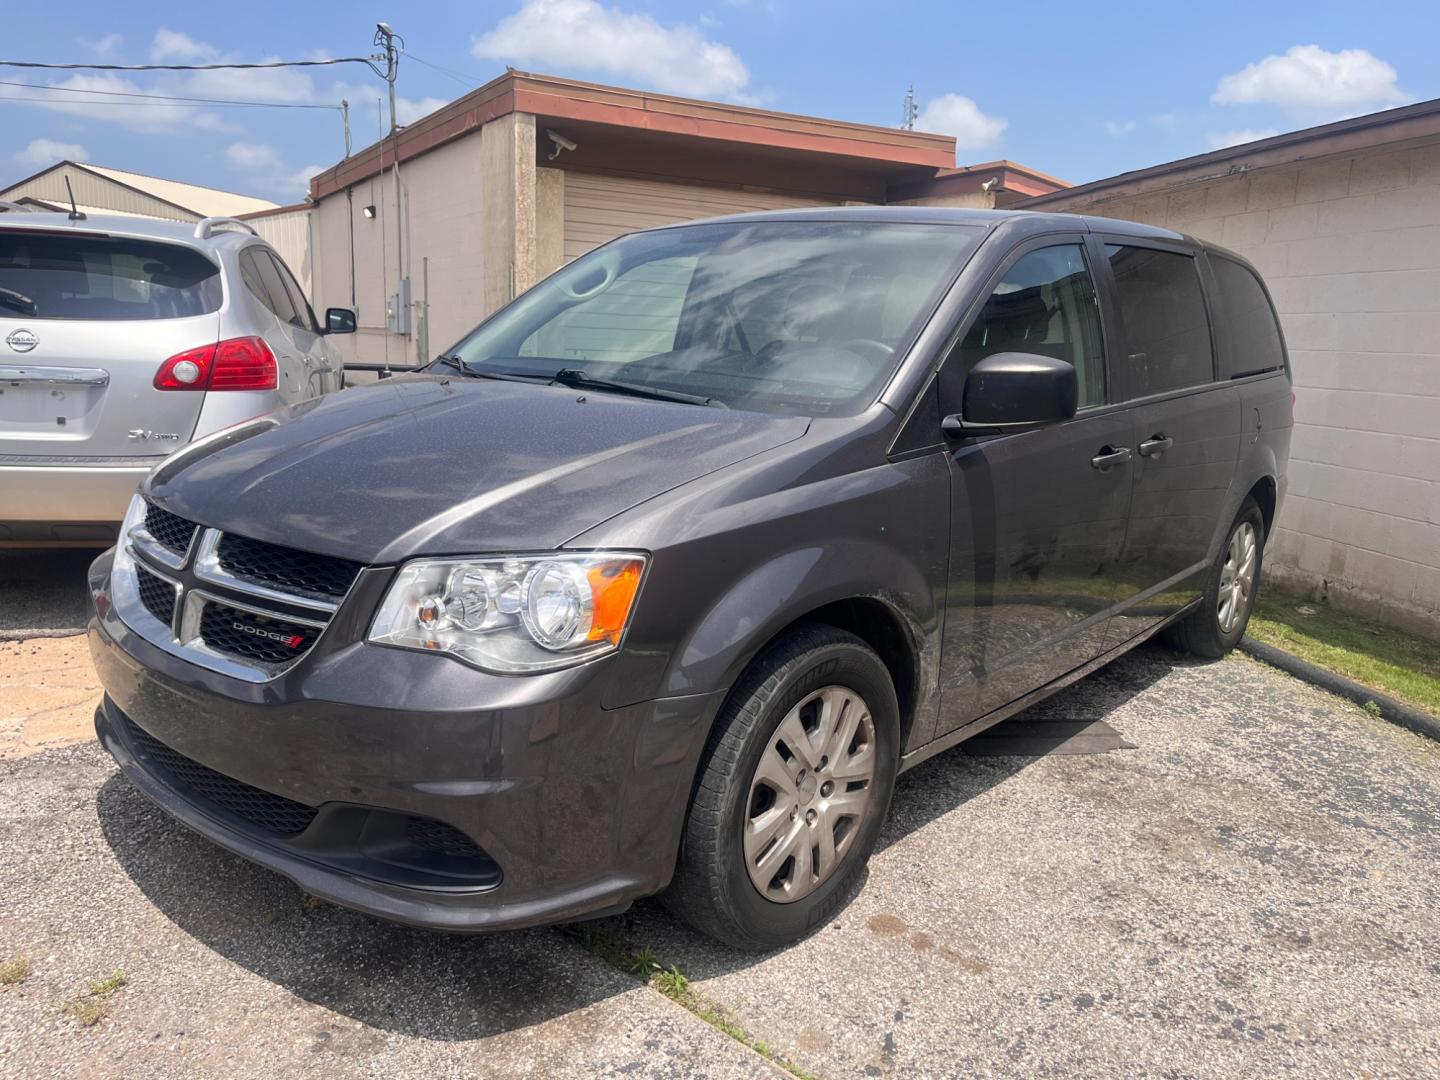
<point>459,987</point>
<point>417,983</point>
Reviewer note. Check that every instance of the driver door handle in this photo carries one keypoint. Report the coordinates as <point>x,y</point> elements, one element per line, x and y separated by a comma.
<point>1110,456</point>
<point>1156,445</point>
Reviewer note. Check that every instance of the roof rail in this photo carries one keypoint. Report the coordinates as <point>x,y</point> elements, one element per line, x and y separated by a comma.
<point>15,208</point>
<point>207,227</point>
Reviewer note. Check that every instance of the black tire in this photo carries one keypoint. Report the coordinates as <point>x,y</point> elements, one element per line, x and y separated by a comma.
<point>712,890</point>
<point>1200,632</point>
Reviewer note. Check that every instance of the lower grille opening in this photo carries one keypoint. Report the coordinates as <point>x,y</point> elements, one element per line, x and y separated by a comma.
<point>273,814</point>
<point>383,845</point>
<point>156,595</point>
<point>236,632</point>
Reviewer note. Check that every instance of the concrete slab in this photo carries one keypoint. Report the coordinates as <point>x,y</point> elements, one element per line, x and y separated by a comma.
<point>1250,892</point>
<point>231,973</point>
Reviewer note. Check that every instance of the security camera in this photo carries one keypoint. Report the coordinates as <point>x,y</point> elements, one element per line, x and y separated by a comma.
<point>561,143</point>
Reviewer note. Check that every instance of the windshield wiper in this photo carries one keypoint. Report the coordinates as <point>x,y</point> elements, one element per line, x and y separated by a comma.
<point>19,301</point>
<point>461,366</point>
<point>579,380</point>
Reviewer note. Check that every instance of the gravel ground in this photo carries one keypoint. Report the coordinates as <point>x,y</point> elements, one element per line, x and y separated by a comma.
<point>1251,891</point>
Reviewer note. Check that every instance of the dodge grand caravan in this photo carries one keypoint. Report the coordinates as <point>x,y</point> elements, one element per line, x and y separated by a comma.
<point>656,580</point>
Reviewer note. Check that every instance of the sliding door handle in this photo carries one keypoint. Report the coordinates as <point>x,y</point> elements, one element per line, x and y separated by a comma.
<point>1110,456</point>
<point>1156,445</point>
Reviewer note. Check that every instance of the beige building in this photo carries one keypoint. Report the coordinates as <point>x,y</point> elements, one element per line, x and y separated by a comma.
<point>102,190</point>
<point>502,186</point>
<point>1343,221</point>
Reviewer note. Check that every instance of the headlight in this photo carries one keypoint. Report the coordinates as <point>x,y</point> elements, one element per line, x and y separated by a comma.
<point>513,615</point>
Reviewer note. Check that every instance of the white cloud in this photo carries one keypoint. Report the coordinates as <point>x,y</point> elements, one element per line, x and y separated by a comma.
<point>408,111</point>
<point>265,169</point>
<point>1118,129</point>
<point>954,114</point>
<point>1219,140</point>
<point>175,47</point>
<point>1309,76</point>
<point>43,152</point>
<point>583,35</point>
<point>104,47</point>
<point>253,157</point>
<point>299,180</point>
<point>86,95</point>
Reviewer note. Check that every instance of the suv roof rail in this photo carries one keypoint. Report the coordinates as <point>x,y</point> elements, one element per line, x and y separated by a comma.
<point>15,208</point>
<point>207,227</point>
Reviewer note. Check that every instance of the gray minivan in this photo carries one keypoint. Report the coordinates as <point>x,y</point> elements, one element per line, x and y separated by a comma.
<point>658,579</point>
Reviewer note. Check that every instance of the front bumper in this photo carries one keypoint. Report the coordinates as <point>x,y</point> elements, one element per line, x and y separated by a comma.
<point>576,810</point>
<point>61,503</point>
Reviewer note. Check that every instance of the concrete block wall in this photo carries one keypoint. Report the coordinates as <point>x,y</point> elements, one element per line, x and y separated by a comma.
<point>1350,247</point>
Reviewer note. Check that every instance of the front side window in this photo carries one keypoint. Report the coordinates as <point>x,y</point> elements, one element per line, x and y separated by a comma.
<point>304,318</point>
<point>1046,304</point>
<point>1167,334</point>
<point>104,278</point>
<point>806,318</point>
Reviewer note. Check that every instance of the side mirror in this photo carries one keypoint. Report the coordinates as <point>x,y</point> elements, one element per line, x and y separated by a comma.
<point>339,320</point>
<point>1014,391</point>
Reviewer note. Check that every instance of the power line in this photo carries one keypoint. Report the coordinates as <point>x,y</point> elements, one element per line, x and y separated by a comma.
<point>367,61</point>
<point>155,98</point>
<point>445,71</point>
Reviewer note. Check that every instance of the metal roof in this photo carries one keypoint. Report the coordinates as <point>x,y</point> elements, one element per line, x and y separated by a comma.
<point>191,198</point>
<point>1357,133</point>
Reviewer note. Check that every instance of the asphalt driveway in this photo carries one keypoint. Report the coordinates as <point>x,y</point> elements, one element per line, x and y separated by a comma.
<point>1251,890</point>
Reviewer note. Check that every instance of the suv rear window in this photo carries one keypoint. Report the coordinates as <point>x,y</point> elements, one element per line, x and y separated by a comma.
<point>103,278</point>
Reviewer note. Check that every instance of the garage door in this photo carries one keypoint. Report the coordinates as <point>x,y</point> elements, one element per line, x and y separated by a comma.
<point>600,208</point>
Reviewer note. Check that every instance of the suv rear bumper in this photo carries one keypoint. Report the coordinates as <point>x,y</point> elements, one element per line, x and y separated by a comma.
<point>67,503</point>
<point>575,810</point>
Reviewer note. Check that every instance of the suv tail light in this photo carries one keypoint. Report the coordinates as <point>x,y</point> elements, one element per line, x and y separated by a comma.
<point>243,363</point>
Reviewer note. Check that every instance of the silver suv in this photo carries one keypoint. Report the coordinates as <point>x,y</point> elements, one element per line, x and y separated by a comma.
<point>125,338</point>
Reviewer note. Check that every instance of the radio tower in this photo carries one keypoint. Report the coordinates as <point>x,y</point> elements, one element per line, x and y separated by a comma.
<point>911,110</point>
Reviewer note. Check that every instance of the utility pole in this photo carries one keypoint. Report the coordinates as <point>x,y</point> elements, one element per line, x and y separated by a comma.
<point>385,38</point>
<point>345,117</point>
<point>911,111</point>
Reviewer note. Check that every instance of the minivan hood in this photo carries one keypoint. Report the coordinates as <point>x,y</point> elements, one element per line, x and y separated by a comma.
<point>436,465</point>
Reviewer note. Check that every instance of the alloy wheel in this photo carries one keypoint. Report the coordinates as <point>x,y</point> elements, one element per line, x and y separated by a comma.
<point>810,794</point>
<point>1237,577</point>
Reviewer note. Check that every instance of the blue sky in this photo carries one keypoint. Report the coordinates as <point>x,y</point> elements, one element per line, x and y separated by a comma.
<point>1077,92</point>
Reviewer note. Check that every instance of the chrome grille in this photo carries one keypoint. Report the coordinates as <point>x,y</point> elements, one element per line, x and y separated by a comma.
<point>285,568</point>
<point>170,531</point>
<point>247,608</point>
<point>237,632</point>
<point>157,594</point>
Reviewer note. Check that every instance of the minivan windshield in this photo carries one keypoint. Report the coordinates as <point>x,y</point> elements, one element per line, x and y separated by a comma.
<point>807,318</point>
<point>107,278</point>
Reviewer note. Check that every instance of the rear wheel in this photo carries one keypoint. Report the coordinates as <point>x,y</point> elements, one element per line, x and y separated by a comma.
<point>1218,624</point>
<point>793,790</point>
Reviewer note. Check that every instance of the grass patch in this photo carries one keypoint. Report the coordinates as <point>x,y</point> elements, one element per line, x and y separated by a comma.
<point>675,985</point>
<point>93,1005</point>
<point>1391,661</point>
<point>14,970</point>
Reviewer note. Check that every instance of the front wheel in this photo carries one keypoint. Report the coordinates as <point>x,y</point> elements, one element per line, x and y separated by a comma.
<point>794,787</point>
<point>1218,624</point>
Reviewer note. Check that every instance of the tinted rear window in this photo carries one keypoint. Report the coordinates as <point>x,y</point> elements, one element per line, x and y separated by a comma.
<point>1252,335</point>
<point>103,278</point>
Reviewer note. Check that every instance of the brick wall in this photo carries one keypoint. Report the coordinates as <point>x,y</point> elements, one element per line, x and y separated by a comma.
<point>1350,248</point>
